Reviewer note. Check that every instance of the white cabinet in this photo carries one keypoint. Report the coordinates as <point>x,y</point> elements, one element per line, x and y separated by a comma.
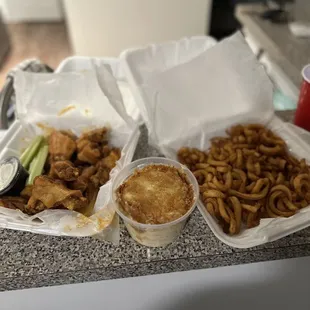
<point>31,10</point>
<point>106,27</point>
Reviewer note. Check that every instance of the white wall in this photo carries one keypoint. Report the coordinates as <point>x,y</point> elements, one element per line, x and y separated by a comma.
<point>31,10</point>
<point>106,27</point>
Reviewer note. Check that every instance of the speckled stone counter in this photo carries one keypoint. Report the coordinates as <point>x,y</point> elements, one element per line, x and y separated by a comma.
<point>290,53</point>
<point>30,260</point>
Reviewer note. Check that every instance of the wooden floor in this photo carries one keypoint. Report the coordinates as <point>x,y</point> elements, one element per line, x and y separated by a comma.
<point>46,41</point>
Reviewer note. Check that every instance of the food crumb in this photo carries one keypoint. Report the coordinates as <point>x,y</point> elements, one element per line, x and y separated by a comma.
<point>82,221</point>
<point>47,130</point>
<point>67,228</point>
<point>66,109</point>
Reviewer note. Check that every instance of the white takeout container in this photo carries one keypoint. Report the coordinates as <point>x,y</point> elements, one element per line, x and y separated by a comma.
<point>119,111</point>
<point>160,234</point>
<point>188,94</point>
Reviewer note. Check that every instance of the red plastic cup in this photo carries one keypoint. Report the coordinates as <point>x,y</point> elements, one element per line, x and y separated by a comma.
<point>302,116</point>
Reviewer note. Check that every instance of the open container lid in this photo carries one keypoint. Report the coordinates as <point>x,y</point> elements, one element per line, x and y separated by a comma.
<point>194,83</point>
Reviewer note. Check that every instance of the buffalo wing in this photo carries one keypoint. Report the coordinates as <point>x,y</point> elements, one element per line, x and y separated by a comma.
<point>61,146</point>
<point>54,194</point>
<point>64,170</point>
<point>73,174</point>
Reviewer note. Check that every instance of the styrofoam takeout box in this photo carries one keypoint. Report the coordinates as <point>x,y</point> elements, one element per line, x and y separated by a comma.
<point>18,136</point>
<point>143,65</point>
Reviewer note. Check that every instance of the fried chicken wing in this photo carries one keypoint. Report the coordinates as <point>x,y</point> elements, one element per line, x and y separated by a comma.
<point>91,195</point>
<point>97,135</point>
<point>64,170</point>
<point>81,143</point>
<point>91,191</point>
<point>34,206</point>
<point>104,166</point>
<point>74,203</point>
<point>79,184</point>
<point>61,146</point>
<point>69,133</point>
<point>101,177</point>
<point>110,160</point>
<point>76,168</point>
<point>87,172</point>
<point>54,194</point>
<point>13,203</point>
<point>89,145</point>
<point>88,151</point>
<point>26,192</point>
<point>105,151</point>
<point>82,181</point>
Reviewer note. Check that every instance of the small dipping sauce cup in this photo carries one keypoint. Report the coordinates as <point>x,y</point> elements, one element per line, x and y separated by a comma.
<point>13,176</point>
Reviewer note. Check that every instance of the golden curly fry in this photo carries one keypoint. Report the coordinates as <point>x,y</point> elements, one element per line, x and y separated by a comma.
<point>281,206</point>
<point>191,156</point>
<point>302,204</point>
<point>234,201</point>
<point>250,186</point>
<point>201,175</point>
<point>236,184</point>
<point>223,169</point>
<point>280,179</point>
<point>286,191</point>
<point>289,204</point>
<point>204,166</point>
<point>252,220</point>
<point>216,162</point>
<point>259,185</point>
<point>245,196</point>
<point>213,193</point>
<point>269,176</point>
<point>250,208</point>
<point>272,205</point>
<point>270,150</point>
<point>219,185</point>
<point>247,176</point>
<point>300,182</point>
<point>212,206</point>
<point>252,176</point>
<point>223,210</point>
<point>233,223</point>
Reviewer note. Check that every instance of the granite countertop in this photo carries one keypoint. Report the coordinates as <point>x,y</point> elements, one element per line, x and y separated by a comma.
<point>290,53</point>
<point>31,260</point>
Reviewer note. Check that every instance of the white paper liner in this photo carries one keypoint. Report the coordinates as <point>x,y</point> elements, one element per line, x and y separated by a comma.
<point>95,101</point>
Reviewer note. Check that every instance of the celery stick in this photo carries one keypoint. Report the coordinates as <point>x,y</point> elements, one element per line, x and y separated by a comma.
<point>26,154</point>
<point>37,164</point>
<point>29,154</point>
<point>31,167</point>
